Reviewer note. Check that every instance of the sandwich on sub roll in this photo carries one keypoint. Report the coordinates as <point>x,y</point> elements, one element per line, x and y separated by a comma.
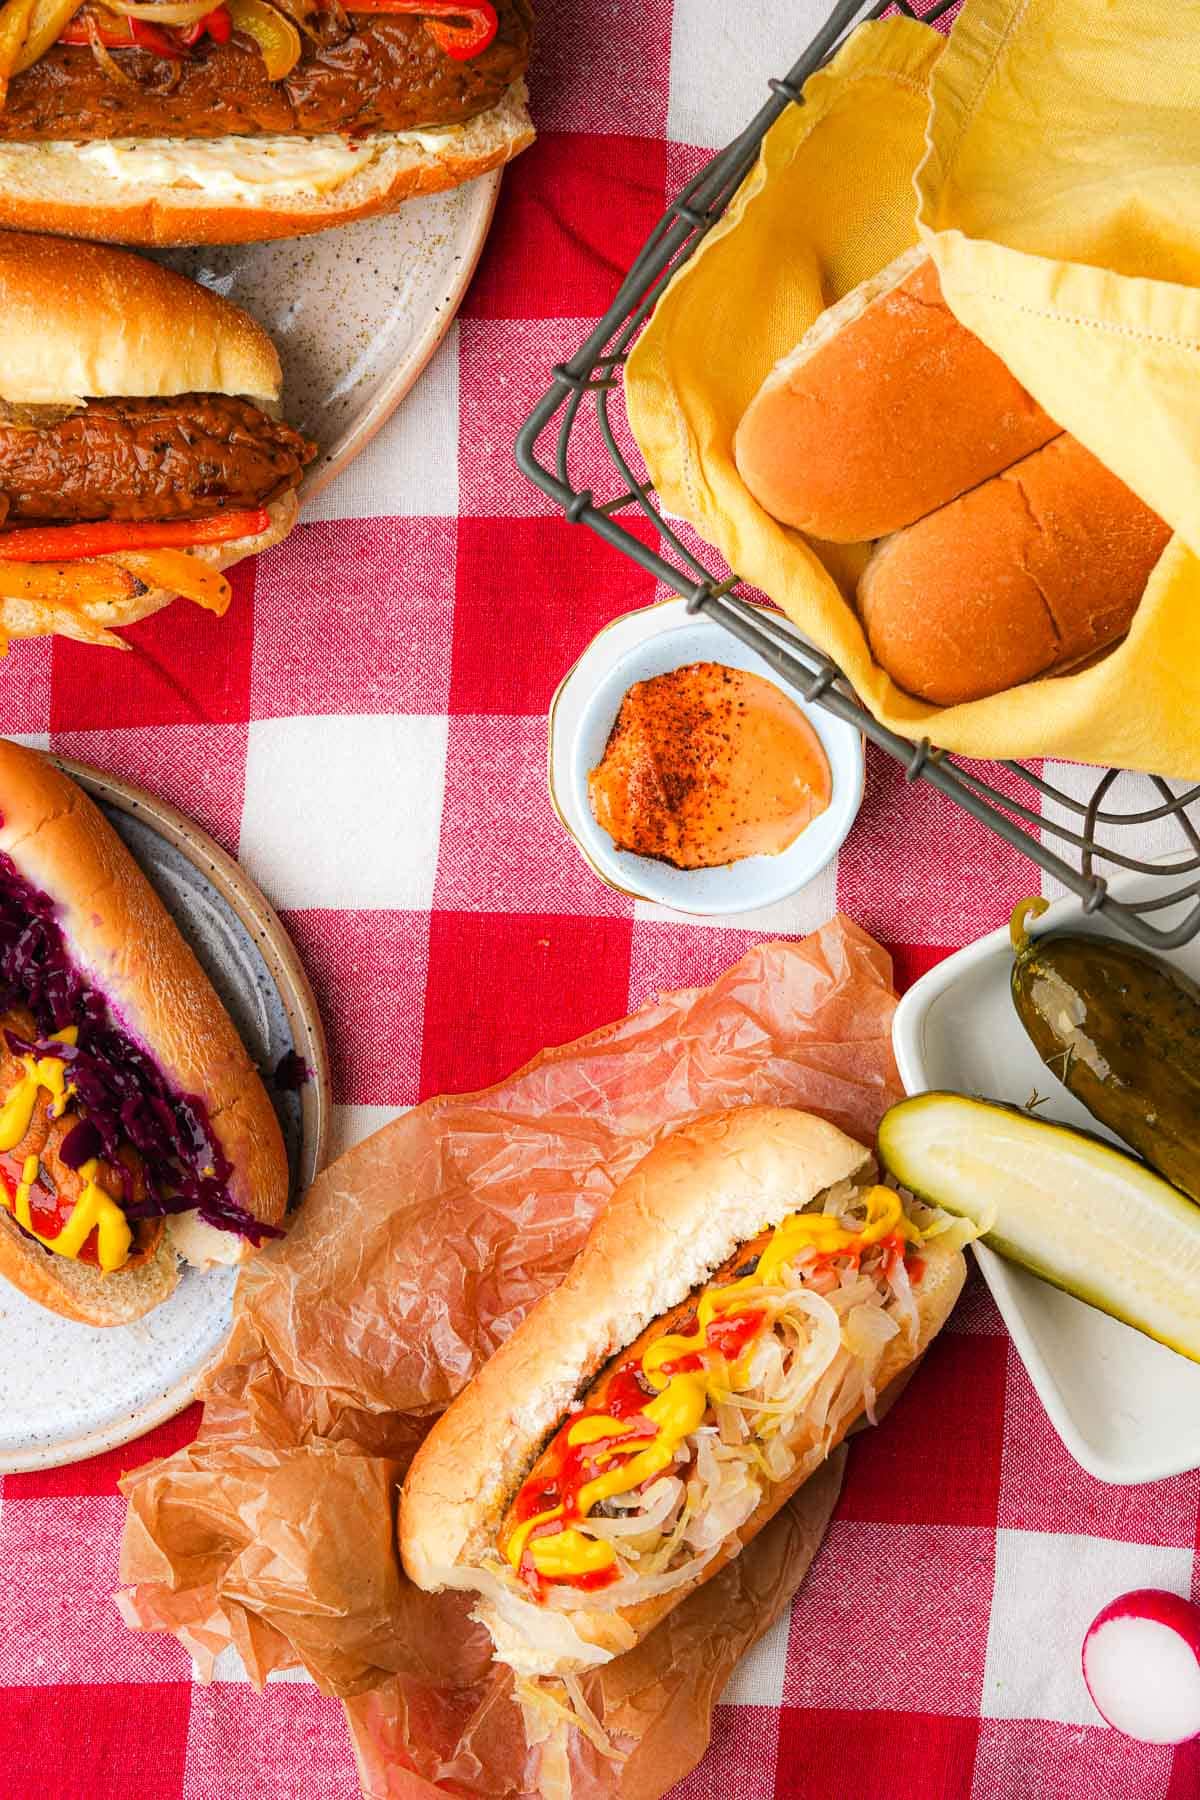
<point>746,1293</point>
<point>134,1128</point>
<point>140,451</point>
<point>223,121</point>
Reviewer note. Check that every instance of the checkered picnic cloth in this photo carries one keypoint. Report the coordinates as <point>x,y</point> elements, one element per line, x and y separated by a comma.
<point>366,729</point>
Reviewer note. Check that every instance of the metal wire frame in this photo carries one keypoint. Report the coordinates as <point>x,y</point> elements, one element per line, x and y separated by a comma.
<point>594,374</point>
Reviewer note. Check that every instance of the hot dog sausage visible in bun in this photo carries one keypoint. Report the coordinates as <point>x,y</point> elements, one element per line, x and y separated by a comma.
<point>746,1292</point>
<point>183,121</point>
<point>140,451</point>
<point>133,1126</point>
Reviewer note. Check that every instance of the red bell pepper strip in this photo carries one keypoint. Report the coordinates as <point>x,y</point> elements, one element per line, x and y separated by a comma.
<point>217,25</point>
<point>124,34</point>
<point>69,543</point>
<point>462,28</point>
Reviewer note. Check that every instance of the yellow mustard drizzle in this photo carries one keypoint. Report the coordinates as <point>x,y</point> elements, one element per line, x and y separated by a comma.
<point>94,1210</point>
<point>49,1072</point>
<point>684,1396</point>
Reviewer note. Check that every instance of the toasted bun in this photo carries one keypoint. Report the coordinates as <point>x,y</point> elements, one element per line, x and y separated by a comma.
<point>85,322</point>
<point>93,622</point>
<point>886,408</point>
<point>681,1213</point>
<point>1030,573</point>
<point>80,1292</point>
<point>121,936</point>
<point>60,187</point>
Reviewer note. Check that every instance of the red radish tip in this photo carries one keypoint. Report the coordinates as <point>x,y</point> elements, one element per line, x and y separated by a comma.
<point>1141,1663</point>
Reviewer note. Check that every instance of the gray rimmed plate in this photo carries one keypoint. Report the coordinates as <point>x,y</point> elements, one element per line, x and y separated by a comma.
<point>69,1391</point>
<point>355,313</point>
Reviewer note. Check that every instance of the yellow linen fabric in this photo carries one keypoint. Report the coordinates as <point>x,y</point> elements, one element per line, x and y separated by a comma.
<point>1055,147</point>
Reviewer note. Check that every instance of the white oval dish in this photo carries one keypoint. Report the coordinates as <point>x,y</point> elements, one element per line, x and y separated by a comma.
<point>68,1391</point>
<point>1127,1409</point>
<point>652,641</point>
<point>355,313</point>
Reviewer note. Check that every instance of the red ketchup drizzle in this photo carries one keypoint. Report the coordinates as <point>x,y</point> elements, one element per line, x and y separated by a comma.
<point>729,1336</point>
<point>624,1397</point>
<point>627,1393</point>
<point>49,1214</point>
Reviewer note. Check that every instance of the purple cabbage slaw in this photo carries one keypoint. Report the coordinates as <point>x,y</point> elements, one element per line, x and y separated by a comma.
<point>127,1098</point>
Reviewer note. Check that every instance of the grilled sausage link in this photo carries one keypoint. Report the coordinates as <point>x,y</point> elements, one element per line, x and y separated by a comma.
<point>184,457</point>
<point>382,73</point>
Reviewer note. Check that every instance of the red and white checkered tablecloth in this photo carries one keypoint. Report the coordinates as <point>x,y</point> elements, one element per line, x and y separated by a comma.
<point>366,729</point>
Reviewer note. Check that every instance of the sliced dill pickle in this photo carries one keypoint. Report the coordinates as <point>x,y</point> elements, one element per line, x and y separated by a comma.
<point>1077,1211</point>
<point>1120,1028</point>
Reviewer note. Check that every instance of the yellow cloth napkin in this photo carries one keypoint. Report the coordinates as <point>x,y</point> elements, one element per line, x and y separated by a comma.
<point>1054,145</point>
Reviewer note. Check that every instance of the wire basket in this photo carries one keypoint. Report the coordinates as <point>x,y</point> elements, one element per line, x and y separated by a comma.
<point>1066,835</point>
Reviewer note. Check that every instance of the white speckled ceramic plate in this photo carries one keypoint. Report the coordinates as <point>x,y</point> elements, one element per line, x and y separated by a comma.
<point>137,1376</point>
<point>356,313</point>
<point>652,641</point>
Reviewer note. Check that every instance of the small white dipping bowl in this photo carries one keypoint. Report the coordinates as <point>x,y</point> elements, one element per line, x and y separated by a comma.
<point>653,641</point>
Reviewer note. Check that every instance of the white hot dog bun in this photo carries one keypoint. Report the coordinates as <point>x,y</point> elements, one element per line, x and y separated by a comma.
<point>236,190</point>
<point>121,939</point>
<point>683,1214</point>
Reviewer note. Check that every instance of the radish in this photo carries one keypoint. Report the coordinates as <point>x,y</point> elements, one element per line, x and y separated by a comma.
<point>1141,1663</point>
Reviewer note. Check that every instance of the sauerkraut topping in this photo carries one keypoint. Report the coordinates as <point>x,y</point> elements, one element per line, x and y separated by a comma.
<point>637,1491</point>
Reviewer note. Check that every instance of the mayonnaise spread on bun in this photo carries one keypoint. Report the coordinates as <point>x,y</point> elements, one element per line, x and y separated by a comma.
<point>233,168</point>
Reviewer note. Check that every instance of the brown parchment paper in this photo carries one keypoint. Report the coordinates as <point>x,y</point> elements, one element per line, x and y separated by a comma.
<point>411,1259</point>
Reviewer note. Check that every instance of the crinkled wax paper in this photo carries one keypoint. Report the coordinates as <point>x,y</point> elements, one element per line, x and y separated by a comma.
<point>409,1261</point>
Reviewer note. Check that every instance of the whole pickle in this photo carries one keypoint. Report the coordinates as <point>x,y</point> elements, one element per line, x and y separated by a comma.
<point>1120,1027</point>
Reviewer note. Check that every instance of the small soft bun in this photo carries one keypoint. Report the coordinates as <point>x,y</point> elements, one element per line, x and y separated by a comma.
<point>1027,575</point>
<point>81,321</point>
<point>885,409</point>
<point>122,938</point>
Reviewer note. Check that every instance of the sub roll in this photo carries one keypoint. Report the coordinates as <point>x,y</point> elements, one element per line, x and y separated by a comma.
<point>746,1293</point>
<point>185,122</point>
<point>141,448</point>
<point>134,1128</point>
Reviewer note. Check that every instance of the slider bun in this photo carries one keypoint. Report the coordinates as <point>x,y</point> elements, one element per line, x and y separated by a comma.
<point>81,321</point>
<point>1026,575</point>
<point>683,1211</point>
<point>92,622</point>
<point>886,408</point>
<point>55,187</point>
<point>122,938</point>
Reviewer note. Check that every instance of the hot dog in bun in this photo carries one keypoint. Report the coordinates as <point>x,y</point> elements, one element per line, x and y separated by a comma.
<point>133,1126</point>
<point>737,1306</point>
<point>223,121</point>
<point>140,451</point>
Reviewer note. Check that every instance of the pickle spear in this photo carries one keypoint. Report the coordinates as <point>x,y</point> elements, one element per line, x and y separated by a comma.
<point>1121,1029</point>
<point>1079,1212</point>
